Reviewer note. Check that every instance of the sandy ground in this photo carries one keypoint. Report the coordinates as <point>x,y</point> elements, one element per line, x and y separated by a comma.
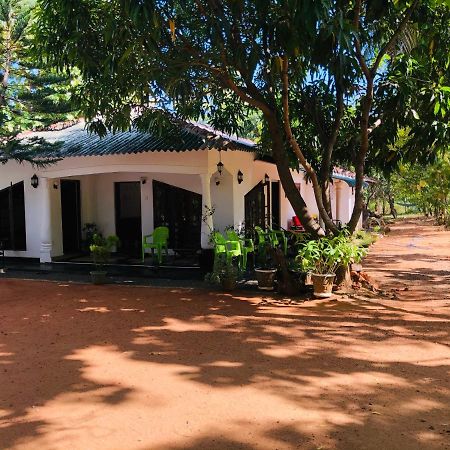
<point>84,367</point>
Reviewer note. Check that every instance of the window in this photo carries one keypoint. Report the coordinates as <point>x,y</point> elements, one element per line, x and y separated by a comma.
<point>12,217</point>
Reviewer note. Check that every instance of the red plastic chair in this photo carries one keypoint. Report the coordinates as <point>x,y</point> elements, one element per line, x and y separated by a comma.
<point>296,221</point>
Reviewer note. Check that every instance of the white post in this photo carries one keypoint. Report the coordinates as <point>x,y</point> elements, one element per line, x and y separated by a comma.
<point>207,224</point>
<point>46,221</point>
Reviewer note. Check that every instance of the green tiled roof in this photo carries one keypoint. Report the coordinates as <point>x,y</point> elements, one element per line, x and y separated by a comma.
<point>77,141</point>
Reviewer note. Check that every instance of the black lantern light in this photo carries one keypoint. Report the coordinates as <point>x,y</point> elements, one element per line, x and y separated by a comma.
<point>34,181</point>
<point>266,179</point>
<point>220,164</point>
<point>240,177</point>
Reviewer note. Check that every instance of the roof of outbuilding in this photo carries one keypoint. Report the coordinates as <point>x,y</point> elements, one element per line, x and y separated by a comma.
<point>77,141</point>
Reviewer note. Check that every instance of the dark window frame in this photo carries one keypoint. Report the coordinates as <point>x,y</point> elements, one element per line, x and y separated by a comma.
<point>13,233</point>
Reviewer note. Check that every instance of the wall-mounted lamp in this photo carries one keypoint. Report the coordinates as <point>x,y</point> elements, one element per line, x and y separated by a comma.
<point>34,181</point>
<point>220,164</point>
<point>266,179</point>
<point>143,180</point>
<point>240,177</point>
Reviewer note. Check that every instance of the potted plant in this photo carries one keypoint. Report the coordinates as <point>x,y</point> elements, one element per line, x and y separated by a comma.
<point>322,257</point>
<point>101,248</point>
<point>228,276</point>
<point>89,231</point>
<point>224,273</point>
<point>265,272</point>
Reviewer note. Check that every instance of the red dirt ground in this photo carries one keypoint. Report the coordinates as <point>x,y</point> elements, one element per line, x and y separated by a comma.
<point>84,367</point>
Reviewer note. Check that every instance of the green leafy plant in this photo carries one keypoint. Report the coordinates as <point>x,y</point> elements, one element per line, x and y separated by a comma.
<point>324,256</point>
<point>364,238</point>
<point>264,258</point>
<point>238,229</point>
<point>101,248</point>
<point>89,231</point>
<point>222,270</point>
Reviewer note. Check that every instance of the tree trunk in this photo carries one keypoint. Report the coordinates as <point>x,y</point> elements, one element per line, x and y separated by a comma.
<point>291,191</point>
<point>377,206</point>
<point>286,283</point>
<point>290,138</point>
<point>343,279</point>
<point>329,142</point>
<point>361,157</point>
<point>326,195</point>
<point>392,207</point>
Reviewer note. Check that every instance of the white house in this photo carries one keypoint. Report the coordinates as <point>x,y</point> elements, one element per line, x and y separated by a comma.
<point>129,183</point>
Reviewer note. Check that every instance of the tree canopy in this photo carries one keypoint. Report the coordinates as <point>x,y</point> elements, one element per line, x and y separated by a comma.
<point>32,95</point>
<point>322,74</point>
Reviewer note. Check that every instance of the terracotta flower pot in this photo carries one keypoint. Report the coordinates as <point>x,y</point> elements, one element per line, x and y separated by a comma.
<point>266,279</point>
<point>323,284</point>
<point>228,283</point>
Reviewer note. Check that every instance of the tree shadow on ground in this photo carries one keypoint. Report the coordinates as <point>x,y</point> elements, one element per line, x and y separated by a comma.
<point>65,343</point>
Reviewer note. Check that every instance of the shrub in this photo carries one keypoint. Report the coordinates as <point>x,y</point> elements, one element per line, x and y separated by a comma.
<point>101,248</point>
<point>325,255</point>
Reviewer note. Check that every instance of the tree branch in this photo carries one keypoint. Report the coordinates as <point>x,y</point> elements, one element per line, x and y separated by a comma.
<point>359,55</point>
<point>394,37</point>
<point>297,150</point>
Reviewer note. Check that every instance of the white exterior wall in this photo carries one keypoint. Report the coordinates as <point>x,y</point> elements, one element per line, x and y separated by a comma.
<point>98,174</point>
<point>15,173</point>
<point>344,201</point>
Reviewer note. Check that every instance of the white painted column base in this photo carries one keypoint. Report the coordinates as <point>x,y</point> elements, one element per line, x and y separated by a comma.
<point>46,253</point>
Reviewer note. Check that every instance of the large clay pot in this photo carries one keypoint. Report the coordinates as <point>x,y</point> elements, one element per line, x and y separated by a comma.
<point>228,283</point>
<point>266,279</point>
<point>323,284</point>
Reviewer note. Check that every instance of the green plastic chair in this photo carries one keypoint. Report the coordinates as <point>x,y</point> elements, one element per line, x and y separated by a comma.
<point>247,246</point>
<point>159,239</point>
<point>219,244</point>
<point>228,249</point>
<point>233,250</point>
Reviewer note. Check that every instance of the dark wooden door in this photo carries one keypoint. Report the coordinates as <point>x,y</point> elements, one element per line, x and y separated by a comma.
<point>71,215</point>
<point>255,208</point>
<point>181,211</point>
<point>128,217</point>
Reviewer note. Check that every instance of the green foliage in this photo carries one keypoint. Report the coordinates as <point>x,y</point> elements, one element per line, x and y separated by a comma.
<point>412,98</point>
<point>223,269</point>
<point>32,95</point>
<point>325,255</point>
<point>101,248</point>
<point>264,258</point>
<point>427,187</point>
<point>150,63</point>
<point>364,238</point>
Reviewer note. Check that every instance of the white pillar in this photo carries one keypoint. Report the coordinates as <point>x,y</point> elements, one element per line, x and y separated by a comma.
<point>207,224</point>
<point>46,221</point>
